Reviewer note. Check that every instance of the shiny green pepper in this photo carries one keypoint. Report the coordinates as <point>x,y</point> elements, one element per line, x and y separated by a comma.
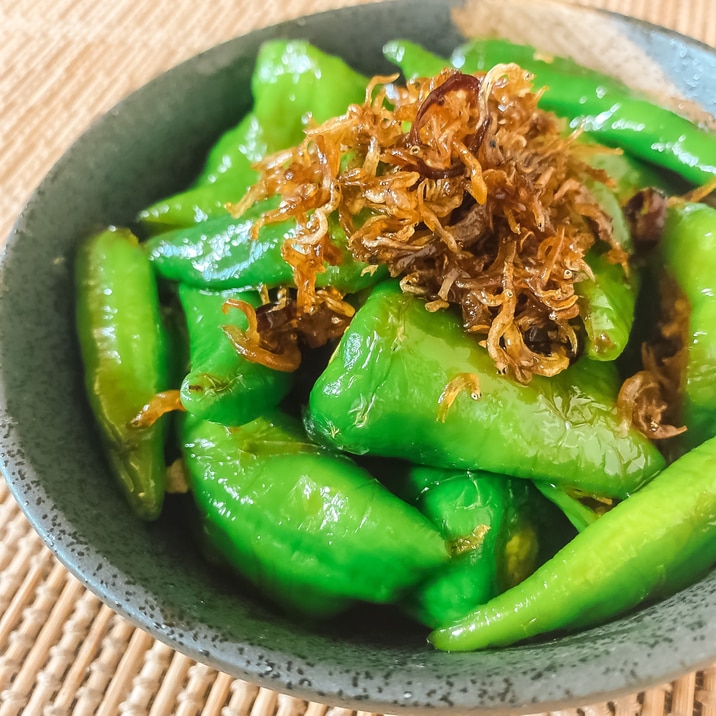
<point>687,251</point>
<point>607,307</point>
<point>222,385</point>
<point>221,253</point>
<point>414,60</point>
<point>292,82</point>
<point>383,392</point>
<point>657,541</point>
<point>124,349</point>
<point>578,511</point>
<point>311,529</point>
<point>608,302</point>
<point>486,521</point>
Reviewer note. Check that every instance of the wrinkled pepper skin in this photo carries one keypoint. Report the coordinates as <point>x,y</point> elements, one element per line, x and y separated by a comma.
<point>654,543</point>
<point>293,81</point>
<point>221,254</point>
<point>485,520</point>
<point>605,108</point>
<point>381,395</point>
<point>312,530</point>
<point>687,250</point>
<point>222,385</point>
<point>124,349</point>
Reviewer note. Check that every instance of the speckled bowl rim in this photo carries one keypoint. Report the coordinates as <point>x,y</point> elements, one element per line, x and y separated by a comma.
<point>622,657</point>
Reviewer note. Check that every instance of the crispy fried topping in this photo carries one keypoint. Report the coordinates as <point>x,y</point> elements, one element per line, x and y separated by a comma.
<point>160,404</point>
<point>646,215</point>
<point>274,329</point>
<point>465,190</point>
<point>651,399</point>
<point>462,381</point>
<point>285,357</point>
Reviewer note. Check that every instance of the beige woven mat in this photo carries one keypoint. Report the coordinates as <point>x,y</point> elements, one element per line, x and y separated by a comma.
<point>62,63</point>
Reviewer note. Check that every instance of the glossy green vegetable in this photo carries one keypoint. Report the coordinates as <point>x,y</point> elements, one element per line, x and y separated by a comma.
<point>486,521</point>
<point>124,351</point>
<point>609,301</point>
<point>575,510</point>
<point>381,394</point>
<point>222,385</point>
<point>221,253</point>
<point>310,528</point>
<point>190,207</point>
<point>605,108</point>
<point>293,83</point>
<point>608,304</point>
<point>413,60</point>
<point>657,541</point>
<point>687,250</point>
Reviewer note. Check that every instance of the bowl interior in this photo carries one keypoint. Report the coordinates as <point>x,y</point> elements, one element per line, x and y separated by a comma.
<point>148,147</point>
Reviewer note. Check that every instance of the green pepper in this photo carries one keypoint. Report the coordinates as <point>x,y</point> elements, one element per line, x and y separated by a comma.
<point>221,253</point>
<point>628,176</point>
<point>607,307</point>
<point>485,519</point>
<point>222,385</point>
<point>579,512</point>
<point>296,82</point>
<point>292,80</point>
<point>124,350</point>
<point>608,302</point>
<point>655,542</point>
<point>413,60</point>
<point>396,364</point>
<point>687,251</point>
<point>190,207</point>
<point>311,529</point>
<point>608,110</point>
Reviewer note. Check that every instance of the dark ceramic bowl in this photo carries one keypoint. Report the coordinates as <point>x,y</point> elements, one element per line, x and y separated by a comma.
<point>149,146</point>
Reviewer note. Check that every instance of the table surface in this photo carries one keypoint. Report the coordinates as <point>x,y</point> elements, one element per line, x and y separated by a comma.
<point>61,650</point>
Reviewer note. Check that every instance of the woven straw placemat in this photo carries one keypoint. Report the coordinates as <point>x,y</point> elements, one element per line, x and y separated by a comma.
<point>62,63</point>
